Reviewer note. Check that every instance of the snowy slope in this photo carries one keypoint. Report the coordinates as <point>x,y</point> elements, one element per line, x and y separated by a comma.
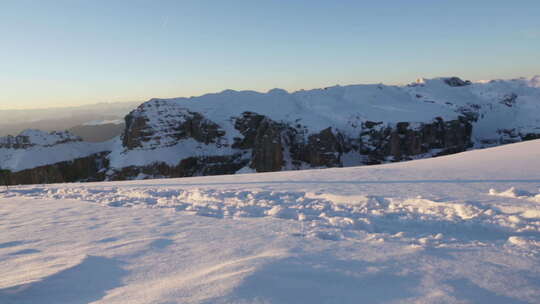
<point>463,228</point>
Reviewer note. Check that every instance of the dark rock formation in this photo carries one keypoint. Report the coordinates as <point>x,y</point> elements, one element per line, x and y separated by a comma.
<point>324,149</point>
<point>530,136</point>
<point>170,126</point>
<point>265,138</point>
<point>456,82</point>
<point>199,128</point>
<point>267,151</point>
<point>191,166</point>
<point>248,125</point>
<point>135,132</point>
<point>509,100</point>
<point>403,141</point>
<point>509,136</point>
<point>86,169</point>
<point>270,141</point>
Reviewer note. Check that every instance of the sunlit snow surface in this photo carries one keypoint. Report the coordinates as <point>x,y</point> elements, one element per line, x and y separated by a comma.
<point>458,229</point>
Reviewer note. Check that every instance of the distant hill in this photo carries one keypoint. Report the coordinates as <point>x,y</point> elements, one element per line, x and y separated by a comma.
<point>12,122</point>
<point>98,133</point>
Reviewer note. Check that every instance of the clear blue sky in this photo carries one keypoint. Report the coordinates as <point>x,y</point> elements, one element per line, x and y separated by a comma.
<point>70,52</point>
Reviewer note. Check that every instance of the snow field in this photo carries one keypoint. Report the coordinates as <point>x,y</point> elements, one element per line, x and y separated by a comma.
<point>463,228</point>
<point>327,216</point>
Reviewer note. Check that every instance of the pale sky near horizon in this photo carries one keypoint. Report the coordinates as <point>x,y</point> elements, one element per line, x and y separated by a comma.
<point>73,52</point>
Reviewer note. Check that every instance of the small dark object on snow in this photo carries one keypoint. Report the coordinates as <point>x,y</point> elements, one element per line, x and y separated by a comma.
<point>456,82</point>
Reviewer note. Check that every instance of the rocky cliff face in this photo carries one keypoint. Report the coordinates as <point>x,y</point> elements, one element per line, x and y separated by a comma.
<point>85,169</point>
<point>266,145</point>
<point>405,141</point>
<point>232,132</point>
<point>158,124</point>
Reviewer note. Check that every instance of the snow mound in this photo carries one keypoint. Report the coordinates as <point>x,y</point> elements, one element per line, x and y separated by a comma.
<point>524,245</point>
<point>516,193</point>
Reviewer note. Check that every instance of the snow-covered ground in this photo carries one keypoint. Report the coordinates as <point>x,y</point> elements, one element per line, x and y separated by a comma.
<point>463,228</point>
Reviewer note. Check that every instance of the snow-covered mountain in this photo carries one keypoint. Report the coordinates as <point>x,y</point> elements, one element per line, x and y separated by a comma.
<point>239,132</point>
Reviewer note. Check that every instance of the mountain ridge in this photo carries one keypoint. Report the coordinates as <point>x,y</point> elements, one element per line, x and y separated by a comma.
<point>246,131</point>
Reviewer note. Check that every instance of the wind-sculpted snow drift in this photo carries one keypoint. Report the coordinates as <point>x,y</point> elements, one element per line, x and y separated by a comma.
<point>241,132</point>
<point>328,216</point>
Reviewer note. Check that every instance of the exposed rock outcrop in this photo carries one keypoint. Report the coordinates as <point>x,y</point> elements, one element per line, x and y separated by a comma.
<point>86,169</point>
<point>509,100</point>
<point>270,142</point>
<point>456,82</point>
<point>191,166</point>
<point>160,124</point>
<point>404,141</point>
